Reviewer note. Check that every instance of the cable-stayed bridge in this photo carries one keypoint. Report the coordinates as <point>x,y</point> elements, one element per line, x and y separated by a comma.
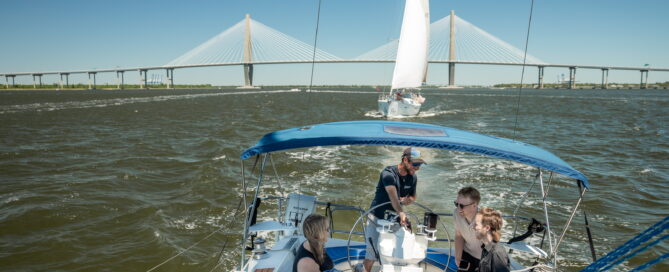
<point>249,42</point>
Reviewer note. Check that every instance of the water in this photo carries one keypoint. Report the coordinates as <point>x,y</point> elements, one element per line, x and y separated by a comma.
<point>124,180</point>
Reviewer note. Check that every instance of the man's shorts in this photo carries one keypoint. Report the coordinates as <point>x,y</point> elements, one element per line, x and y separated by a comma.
<point>371,232</point>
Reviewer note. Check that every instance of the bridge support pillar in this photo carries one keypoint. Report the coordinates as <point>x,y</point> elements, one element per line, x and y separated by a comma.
<point>67,80</point>
<point>451,74</point>
<point>119,78</point>
<point>572,77</point>
<point>248,75</point>
<point>142,78</point>
<point>644,83</point>
<point>35,81</point>
<point>170,77</point>
<point>92,84</point>
<point>540,84</point>
<point>7,80</point>
<point>605,78</point>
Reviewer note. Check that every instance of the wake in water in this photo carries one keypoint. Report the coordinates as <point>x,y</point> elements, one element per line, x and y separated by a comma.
<point>50,106</point>
<point>336,91</point>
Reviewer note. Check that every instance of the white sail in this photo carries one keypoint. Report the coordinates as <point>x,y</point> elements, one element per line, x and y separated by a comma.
<point>411,62</point>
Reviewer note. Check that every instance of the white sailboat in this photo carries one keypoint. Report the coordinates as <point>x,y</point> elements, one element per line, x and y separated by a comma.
<point>410,63</point>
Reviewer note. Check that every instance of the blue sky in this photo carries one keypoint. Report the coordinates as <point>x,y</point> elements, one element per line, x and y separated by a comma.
<point>42,35</point>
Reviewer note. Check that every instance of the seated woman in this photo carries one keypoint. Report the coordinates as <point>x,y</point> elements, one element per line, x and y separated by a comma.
<point>488,228</point>
<point>311,256</point>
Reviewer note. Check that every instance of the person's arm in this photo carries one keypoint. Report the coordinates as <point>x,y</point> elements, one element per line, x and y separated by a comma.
<point>395,202</point>
<point>307,265</point>
<point>459,245</point>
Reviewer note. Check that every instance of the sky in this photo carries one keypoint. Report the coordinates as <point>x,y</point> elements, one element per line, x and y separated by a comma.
<point>45,35</point>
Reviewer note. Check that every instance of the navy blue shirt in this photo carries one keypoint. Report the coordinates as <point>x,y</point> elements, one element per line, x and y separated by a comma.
<point>390,176</point>
<point>494,259</point>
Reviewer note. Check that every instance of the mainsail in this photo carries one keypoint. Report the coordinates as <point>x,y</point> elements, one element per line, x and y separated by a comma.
<point>411,61</point>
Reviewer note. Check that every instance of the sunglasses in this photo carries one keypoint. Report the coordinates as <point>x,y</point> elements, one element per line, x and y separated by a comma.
<point>461,206</point>
<point>416,164</point>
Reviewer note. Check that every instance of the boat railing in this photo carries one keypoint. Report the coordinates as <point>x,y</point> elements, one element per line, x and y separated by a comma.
<point>330,208</point>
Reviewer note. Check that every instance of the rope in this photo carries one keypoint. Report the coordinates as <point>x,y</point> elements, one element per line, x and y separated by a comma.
<point>522,74</point>
<point>587,228</point>
<point>634,253</point>
<point>629,245</point>
<point>238,209</point>
<point>278,178</point>
<point>515,228</point>
<point>198,242</point>
<point>653,262</point>
<point>225,244</point>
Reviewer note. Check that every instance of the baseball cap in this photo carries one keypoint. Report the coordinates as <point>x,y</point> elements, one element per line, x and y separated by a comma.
<point>413,154</point>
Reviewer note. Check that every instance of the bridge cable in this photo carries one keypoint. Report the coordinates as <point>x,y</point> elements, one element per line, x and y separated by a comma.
<point>522,74</point>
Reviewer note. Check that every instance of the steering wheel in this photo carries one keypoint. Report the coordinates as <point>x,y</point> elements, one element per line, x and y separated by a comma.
<point>363,215</point>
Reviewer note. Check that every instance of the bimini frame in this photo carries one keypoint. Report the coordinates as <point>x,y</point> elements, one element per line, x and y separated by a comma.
<point>418,135</point>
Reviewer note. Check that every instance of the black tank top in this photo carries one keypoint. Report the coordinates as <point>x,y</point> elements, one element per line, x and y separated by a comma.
<point>304,253</point>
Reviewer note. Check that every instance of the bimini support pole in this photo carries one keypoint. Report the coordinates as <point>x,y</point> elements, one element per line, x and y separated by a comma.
<point>566,226</point>
<point>246,214</point>
<point>548,225</point>
<point>515,228</point>
<point>252,207</point>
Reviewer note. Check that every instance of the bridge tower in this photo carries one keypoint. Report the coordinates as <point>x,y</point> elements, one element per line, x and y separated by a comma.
<point>451,53</point>
<point>248,56</point>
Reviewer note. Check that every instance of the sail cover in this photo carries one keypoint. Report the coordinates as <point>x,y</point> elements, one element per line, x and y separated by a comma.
<point>411,134</point>
<point>411,62</point>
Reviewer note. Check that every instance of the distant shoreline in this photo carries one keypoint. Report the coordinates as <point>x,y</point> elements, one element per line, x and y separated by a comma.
<point>80,87</point>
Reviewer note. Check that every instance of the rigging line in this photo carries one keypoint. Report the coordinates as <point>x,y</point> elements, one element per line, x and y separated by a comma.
<point>515,228</point>
<point>651,263</point>
<point>225,244</point>
<point>237,212</point>
<point>587,228</point>
<point>277,177</point>
<point>313,56</point>
<point>198,242</point>
<point>522,74</point>
<point>313,59</point>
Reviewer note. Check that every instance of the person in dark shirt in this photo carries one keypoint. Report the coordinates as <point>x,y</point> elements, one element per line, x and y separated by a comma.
<point>488,228</point>
<point>311,256</point>
<point>397,184</point>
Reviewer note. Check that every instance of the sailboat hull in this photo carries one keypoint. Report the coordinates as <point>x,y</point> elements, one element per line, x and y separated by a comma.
<point>399,108</point>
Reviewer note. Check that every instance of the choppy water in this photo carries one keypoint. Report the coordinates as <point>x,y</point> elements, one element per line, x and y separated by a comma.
<point>124,180</point>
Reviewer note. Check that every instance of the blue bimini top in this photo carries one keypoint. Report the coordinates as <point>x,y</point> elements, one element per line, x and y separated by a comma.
<point>411,134</point>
